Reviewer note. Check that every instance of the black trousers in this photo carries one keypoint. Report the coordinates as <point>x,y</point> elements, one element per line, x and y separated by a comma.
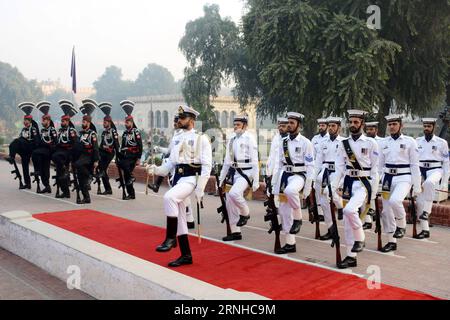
<point>61,158</point>
<point>24,150</point>
<point>83,167</point>
<point>105,160</point>
<point>41,161</point>
<point>127,164</point>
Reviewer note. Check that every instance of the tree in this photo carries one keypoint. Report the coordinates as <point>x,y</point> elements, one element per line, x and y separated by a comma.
<point>155,80</point>
<point>310,59</point>
<point>319,56</point>
<point>14,89</point>
<point>207,44</point>
<point>112,88</point>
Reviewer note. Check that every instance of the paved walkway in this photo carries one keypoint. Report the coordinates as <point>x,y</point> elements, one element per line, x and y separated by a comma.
<point>416,265</point>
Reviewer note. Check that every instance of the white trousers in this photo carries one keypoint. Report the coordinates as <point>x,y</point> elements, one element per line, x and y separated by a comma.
<point>236,203</point>
<point>291,209</point>
<point>394,213</point>
<point>323,198</point>
<point>352,223</point>
<point>425,198</point>
<point>175,203</point>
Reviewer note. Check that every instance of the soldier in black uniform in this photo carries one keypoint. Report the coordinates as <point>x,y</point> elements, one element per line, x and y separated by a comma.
<point>25,144</point>
<point>109,146</point>
<point>131,148</point>
<point>67,138</point>
<point>88,150</point>
<point>42,155</point>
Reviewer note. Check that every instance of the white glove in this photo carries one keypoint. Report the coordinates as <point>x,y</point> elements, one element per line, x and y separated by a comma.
<point>307,188</point>
<point>255,185</point>
<point>417,189</point>
<point>200,188</point>
<point>161,171</point>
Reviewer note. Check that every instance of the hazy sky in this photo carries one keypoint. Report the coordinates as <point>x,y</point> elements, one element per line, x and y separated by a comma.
<point>37,36</point>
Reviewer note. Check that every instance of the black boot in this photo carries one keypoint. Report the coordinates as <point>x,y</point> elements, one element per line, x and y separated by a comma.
<point>171,234</point>
<point>347,263</point>
<point>106,192</point>
<point>186,256</point>
<point>326,236</point>
<point>288,248</point>
<point>242,220</point>
<point>233,236</point>
<point>155,187</point>
<point>399,233</point>
<point>295,227</point>
<point>321,218</point>
<point>86,196</point>
<point>358,246</point>
<point>390,246</point>
<point>340,214</point>
<point>422,235</point>
<point>46,189</point>
<point>367,226</point>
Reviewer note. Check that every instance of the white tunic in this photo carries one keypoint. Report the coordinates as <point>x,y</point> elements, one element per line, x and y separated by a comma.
<point>402,151</point>
<point>245,152</point>
<point>300,150</point>
<point>316,141</point>
<point>190,147</point>
<point>434,150</point>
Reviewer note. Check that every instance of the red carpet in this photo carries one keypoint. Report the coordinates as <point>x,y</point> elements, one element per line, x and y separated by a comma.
<point>223,265</point>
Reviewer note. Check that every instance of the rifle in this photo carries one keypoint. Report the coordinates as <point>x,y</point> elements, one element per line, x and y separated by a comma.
<point>223,208</point>
<point>412,210</point>
<point>199,205</point>
<point>120,180</point>
<point>313,212</point>
<point>37,180</point>
<point>335,242</point>
<point>76,186</point>
<point>56,184</point>
<point>272,213</point>
<point>378,223</point>
<point>17,173</point>
<point>97,180</point>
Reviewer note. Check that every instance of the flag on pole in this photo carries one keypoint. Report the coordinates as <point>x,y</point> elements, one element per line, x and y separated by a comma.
<point>73,73</point>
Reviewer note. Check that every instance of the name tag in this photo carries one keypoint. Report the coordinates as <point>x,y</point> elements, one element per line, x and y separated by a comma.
<point>403,146</point>
<point>364,151</point>
<point>298,149</point>
<point>191,142</point>
<point>434,148</point>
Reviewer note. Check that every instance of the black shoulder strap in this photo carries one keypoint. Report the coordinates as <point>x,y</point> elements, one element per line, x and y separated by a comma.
<point>287,156</point>
<point>351,154</point>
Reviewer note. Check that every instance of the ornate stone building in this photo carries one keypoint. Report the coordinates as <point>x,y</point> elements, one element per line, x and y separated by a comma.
<point>158,111</point>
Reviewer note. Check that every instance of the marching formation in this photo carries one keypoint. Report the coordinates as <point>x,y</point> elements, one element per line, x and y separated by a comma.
<point>78,157</point>
<point>361,179</point>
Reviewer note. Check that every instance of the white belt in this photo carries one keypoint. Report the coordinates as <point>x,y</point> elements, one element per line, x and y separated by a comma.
<point>293,169</point>
<point>357,173</point>
<point>240,165</point>
<point>329,166</point>
<point>396,171</point>
<point>430,165</point>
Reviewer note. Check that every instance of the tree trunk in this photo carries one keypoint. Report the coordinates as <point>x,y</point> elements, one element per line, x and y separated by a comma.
<point>382,112</point>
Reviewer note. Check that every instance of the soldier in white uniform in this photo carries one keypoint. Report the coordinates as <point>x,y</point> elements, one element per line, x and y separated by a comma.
<point>322,126</point>
<point>325,170</point>
<point>357,159</point>
<point>371,129</point>
<point>191,156</point>
<point>240,170</point>
<point>166,151</point>
<point>399,170</point>
<point>275,145</point>
<point>293,173</point>
<point>434,167</point>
